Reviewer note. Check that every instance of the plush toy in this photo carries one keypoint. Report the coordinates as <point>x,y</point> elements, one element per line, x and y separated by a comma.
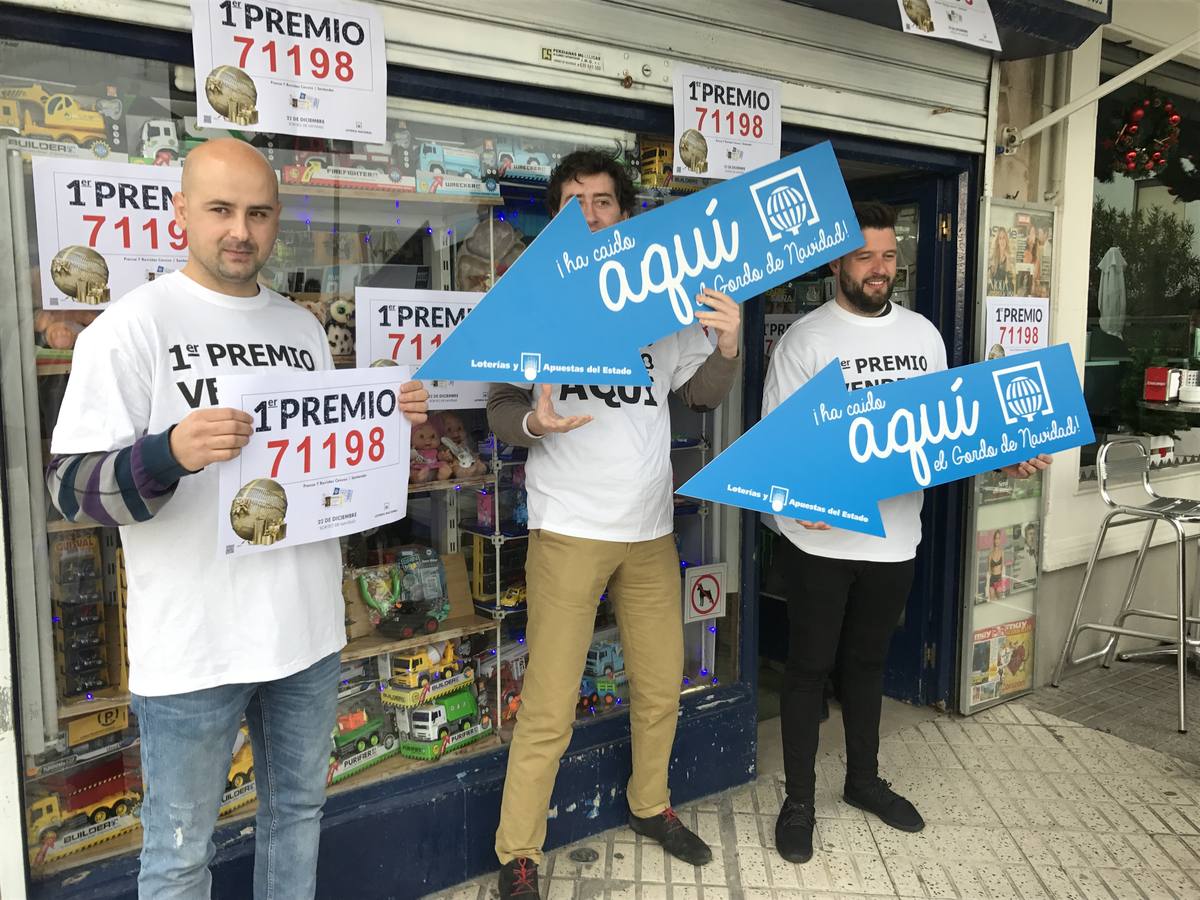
<point>341,311</point>
<point>500,242</point>
<point>59,328</point>
<point>425,465</point>
<point>455,450</point>
<point>341,339</point>
<point>318,307</point>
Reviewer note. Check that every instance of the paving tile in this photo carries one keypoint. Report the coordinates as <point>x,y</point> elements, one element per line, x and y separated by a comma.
<point>1021,804</point>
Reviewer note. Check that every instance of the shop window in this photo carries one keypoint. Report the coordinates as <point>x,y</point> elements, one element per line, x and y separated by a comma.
<point>435,604</point>
<point>1143,327</point>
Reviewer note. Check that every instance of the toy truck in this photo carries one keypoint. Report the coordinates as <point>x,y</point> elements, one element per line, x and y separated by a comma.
<point>356,731</point>
<point>32,112</point>
<point>77,799</point>
<point>424,666</point>
<point>604,659</point>
<point>160,141</point>
<point>449,159</point>
<point>241,767</point>
<point>436,721</point>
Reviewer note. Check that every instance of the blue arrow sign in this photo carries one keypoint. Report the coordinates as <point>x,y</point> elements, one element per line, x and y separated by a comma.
<point>577,306</point>
<point>830,455</point>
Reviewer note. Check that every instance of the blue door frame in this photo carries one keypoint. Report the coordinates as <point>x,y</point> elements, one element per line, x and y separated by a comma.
<point>923,658</point>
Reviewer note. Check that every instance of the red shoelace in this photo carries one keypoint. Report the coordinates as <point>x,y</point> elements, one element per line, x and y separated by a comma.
<point>672,819</point>
<point>523,876</point>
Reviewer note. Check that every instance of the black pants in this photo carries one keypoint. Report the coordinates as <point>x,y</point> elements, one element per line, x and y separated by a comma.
<point>841,614</point>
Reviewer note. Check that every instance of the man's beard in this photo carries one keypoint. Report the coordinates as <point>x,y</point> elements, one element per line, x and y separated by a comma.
<point>859,298</point>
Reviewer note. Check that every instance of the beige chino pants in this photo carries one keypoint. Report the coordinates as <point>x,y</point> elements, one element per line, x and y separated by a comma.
<point>565,577</point>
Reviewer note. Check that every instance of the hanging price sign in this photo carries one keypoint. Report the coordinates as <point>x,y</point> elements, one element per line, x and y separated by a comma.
<point>103,229</point>
<point>315,68</point>
<point>726,123</point>
<point>405,327</point>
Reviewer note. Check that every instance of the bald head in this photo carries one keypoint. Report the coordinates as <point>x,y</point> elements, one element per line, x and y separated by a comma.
<point>230,207</point>
<point>214,161</point>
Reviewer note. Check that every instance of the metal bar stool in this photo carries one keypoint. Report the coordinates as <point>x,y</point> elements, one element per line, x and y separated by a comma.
<point>1176,513</point>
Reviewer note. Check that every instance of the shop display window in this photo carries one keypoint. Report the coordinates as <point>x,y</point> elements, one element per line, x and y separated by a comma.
<point>1142,371</point>
<point>435,604</point>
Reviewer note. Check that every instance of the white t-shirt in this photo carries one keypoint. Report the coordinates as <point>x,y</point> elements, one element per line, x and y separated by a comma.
<point>611,479</point>
<point>197,619</point>
<point>873,350</point>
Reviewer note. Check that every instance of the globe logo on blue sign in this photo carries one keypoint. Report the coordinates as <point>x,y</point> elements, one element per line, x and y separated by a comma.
<point>1023,393</point>
<point>786,209</point>
<point>1023,397</point>
<point>784,203</point>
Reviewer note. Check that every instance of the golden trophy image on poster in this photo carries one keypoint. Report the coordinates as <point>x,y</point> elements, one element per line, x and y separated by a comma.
<point>232,94</point>
<point>258,511</point>
<point>81,273</point>
<point>919,14</point>
<point>693,150</point>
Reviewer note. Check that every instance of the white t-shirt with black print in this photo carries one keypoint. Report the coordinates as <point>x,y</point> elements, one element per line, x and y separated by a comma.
<point>197,619</point>
<point>874,350</point>
<point>610,480</point>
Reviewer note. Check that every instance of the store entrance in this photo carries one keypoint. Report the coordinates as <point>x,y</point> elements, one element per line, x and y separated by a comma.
<point>930,279</point>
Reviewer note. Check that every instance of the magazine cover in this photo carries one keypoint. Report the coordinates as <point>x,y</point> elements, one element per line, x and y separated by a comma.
<point>1002,660</point>
<point>1006,561</point>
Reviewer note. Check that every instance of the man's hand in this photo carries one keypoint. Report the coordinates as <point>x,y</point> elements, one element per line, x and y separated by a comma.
<point>1028,467</point>
<point>544,420</point>
<point>210,435</point>
<point>725,317</point>
<point>414,402</point>
<point>815,526</point>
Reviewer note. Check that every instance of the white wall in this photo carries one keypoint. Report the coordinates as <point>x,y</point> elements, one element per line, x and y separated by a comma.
<point>1073,511</point>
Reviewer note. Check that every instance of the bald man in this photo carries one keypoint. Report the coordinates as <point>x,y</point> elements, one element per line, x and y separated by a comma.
<point>210,638</point>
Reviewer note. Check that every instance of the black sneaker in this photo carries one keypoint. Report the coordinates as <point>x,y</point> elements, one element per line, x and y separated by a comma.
<point>794,830</point>
<point>877,797</point>
<point>518,878</point>
<point>675,837</point>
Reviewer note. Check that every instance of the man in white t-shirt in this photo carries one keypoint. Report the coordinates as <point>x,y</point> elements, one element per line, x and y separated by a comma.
<point>601,516</point>
<point>850,588</point>
<point>210,637</point>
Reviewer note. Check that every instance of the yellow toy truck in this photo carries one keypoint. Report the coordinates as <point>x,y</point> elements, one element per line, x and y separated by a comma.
<point>32,112</point>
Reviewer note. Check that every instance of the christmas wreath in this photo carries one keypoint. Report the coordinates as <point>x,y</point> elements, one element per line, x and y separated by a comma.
<point>1137,138</point>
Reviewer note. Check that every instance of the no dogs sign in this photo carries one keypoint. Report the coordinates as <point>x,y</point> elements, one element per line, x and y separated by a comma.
<point>704,592</point>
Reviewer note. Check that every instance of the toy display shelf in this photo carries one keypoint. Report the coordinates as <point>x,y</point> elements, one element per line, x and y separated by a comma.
<point>395,765</point>
<point>508,531</point>
<point>104,698</point>
<point>404,198</point>
<point>375,645</point>
<point>474,481</point>
<point>60,525</point>
<point>125,842</point>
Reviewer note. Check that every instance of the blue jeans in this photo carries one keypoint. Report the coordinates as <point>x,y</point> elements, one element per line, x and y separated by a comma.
<point>187,742</point>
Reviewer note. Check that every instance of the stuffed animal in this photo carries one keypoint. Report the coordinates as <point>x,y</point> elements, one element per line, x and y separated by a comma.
<point>341,339</point>
<point>316,306</point>
<point>341,310</point>
<point>59,328</point>
<point>425,465</point>
<point>455,450</point>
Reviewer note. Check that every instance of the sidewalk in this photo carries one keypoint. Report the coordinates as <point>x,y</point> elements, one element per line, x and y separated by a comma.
<point>1019,804</point>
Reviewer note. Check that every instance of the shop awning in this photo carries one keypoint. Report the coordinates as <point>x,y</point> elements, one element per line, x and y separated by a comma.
<point>1026,27</point>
